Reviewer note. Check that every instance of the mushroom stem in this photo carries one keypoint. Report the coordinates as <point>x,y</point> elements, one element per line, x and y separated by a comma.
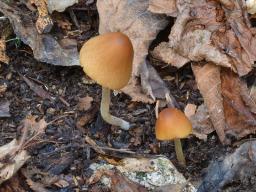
<point>104,109</point>
<point>179,152</point>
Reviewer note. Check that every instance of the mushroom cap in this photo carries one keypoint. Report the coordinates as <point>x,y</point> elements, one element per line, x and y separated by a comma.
<point>172,124</point>
<point>107,59</point>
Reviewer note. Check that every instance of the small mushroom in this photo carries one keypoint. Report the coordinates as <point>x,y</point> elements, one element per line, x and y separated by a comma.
<point>172,124</point>
<point>107,59</point>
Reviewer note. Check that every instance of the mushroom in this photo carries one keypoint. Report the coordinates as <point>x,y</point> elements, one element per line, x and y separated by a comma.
<point>172,124</point>
<point>107,59</point>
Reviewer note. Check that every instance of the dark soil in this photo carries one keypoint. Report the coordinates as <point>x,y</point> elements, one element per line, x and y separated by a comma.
<point>63,150</point>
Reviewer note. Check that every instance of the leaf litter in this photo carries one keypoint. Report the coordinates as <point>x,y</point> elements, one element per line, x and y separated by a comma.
<point>215,37</point>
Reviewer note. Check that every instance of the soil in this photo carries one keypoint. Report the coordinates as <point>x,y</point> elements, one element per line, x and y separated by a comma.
<point>63,149</point>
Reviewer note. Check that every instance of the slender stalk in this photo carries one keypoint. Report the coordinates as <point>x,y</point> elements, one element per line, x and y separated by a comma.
<point>104,109</point>
<point>179,152</point>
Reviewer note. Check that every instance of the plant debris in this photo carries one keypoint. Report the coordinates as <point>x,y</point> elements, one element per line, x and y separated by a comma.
<point>45,47</point>
<point>236,166</point>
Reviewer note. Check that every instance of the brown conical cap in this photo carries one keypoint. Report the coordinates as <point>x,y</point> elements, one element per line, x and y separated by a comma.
<point>107,59</point>
<point>172,124</point>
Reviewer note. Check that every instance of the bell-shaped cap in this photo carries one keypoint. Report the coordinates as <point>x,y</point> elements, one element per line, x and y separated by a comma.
<point>172,124</point>
<point>107,59</point>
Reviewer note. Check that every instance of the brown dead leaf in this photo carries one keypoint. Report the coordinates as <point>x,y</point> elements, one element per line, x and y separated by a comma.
<point>37,89</point>
<point>166,54</point>
<point>190,110</point>
<point>167,7</point>
<point>238,105</point>
<point>15,184</point>
<point>10,163</point>
<point>215,31</point>
<point>13,155</point>
<point>201,123</point>
<point>3,57</point>
<point>119,183</point>
<point>85,103</point>
<point>230,106</point>
<point>142,26</point>
<point>45,47</point>
<point>44,22</point>
<point>209,83</point>
<point>41,184</point>
<point>3,88</point>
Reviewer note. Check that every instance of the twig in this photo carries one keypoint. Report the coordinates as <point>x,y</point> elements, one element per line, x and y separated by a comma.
<point>93,144</point>
<point>64,101</point>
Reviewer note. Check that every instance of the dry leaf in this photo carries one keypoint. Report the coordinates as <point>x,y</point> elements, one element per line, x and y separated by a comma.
<point>15,184</point>
<point>45,47</point>
<point>201,123</point>
<point>5,109</point>
<point>3,57</point>
<point>7,170</point>
<point>251,6</point>
<point>167,7</point>
<point>239,107</point>
<point>41,184</point>
<point>142,26</point>
<point>214,31</point>
<point>166,54</point>
<point>119,183</point>
<point>44,22</point>
<point>85,103</point>
<point>37,89</point>
<point>190,110</point>
<point>231,108</point>
<point>209,83</point>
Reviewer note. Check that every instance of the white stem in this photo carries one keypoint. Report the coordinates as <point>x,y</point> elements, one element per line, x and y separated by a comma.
<point>104,109</point>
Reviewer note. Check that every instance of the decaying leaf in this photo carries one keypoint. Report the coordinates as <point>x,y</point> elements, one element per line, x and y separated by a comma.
<point>44,22</point>
<point>4,109</point>
<point>190,110</point>
<point>119,183</point>
<point>37,89</point>
<point>209,83</point>
<point>13,155</point>
<point>45,47</point>
<point>201,123</point>
<point>217,32</point>
<point>3,57</point>
<point>239,108</point>
<point>230,106</point>
<point>251,6</point>
<point>167,7</point>
<point>5,32</point>
<point>142,26</point>
<point>16,183</point>
<point>169,56</point>
<point>46,179</point>
<point>239,165</point>
<point>8,169</point>
<point>85,103</point>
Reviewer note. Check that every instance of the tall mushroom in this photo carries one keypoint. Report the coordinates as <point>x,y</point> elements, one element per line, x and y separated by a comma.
<point>107,59</point>
<point>172,124</point>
